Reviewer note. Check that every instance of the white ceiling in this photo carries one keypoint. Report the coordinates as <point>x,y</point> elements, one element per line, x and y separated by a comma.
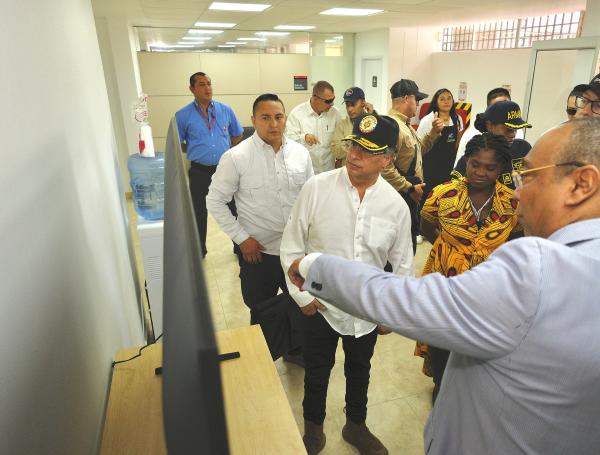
<point>397,13</point>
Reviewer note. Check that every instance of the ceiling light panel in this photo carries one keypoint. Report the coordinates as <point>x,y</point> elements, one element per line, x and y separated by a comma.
<point>215,24</point>
<point>244,7</point>
<point>351,12</point>
<point>294,27</point>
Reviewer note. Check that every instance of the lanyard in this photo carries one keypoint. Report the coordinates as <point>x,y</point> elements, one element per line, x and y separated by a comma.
<point>209,119</point>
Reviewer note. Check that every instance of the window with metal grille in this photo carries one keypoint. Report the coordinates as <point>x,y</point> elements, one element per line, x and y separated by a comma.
<point>512,33</point>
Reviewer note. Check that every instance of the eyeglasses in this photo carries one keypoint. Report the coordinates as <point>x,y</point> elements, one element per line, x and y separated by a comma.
<point>326,101</point>
<point>517,176</point>
<point>571,110</point>
<point>348,144</point>
<point>582,101</point>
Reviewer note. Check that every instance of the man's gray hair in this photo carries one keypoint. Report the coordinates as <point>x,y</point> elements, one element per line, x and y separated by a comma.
<point>583,145</point>
<point>390,151</point>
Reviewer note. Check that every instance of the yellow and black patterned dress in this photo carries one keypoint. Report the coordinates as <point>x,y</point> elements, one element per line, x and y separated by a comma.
<point>463,243</point>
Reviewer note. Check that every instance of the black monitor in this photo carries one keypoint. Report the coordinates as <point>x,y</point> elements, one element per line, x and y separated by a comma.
<point>193,411</point>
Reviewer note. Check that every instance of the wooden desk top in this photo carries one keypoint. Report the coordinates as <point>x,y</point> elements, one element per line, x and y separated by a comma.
<point>259,418</point>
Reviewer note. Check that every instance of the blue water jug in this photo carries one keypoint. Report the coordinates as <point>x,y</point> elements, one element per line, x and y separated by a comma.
<point>148,185</point>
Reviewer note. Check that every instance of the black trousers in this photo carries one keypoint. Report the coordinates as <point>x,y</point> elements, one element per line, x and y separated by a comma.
<point>260,282</point>
<point>415,218</point>
<point>438,358</point>
<point>200,177</point>
<point>320,343</point>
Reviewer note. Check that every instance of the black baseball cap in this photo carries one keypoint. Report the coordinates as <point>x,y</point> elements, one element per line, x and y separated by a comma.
<point>354,94</point>
<point>594,86</point>
<point>375,133</point>
<point>406,87</point>
<point>507,113</point>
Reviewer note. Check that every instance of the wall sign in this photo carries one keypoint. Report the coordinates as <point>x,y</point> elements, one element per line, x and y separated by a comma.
<point>300,82</point>
<point>462,91</point>
<point>374,81</point>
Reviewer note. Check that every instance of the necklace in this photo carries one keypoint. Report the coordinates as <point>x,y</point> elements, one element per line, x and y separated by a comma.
<point>478,212</point>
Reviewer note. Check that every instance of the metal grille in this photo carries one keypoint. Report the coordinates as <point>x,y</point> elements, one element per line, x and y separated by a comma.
<point>513,33</point>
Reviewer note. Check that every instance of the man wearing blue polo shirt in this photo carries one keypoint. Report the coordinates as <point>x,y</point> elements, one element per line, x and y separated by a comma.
<point>207,129</point>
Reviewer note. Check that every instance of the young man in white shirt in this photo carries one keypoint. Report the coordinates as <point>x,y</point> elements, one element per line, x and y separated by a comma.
<point>354,213</point>
<point>312,124</point>
<point>265,174</point>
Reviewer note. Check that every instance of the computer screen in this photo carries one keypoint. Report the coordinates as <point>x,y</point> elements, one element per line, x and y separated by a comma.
<point>194,416</point>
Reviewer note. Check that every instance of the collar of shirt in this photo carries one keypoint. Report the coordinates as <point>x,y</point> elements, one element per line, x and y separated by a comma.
<point>259,143</point>
<point>580,231</point>
<point>211,106</point>
<point>351,187</point>
<point>401,116</point>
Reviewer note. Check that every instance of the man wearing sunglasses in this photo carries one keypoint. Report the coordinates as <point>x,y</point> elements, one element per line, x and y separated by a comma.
<point>588,104</point>
<point>313,122</point>
<point>571,103</point>
<point>375,230</point>
<point>524,369</point>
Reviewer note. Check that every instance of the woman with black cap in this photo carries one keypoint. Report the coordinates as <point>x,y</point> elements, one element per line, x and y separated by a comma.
<point>502,118</point>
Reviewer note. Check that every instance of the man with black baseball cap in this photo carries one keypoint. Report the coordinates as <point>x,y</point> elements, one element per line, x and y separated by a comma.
<point>375,230</point>
<point>354,99</point>
<point>588,104</point>
<point>406,173</point>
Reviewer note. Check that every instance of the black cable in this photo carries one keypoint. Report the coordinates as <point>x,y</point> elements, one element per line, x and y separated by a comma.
<point>138,354</point>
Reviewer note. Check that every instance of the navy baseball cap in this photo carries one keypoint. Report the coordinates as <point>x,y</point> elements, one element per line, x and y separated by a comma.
<point>354,94</point>
<point>375,133</point>
<point>406,87</point>
<point>594,86</point>
<point>507,113</point>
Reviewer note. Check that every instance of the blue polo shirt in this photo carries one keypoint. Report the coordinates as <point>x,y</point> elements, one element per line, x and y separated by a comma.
<point>206,145</point>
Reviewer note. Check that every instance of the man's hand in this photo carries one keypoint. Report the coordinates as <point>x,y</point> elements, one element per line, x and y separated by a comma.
<point>382,330</point>
<point>294,273</point>
<point>369,108</point>
<point>311,139</point>
<point>251,250</point>
<point>437,125</point>
<point>417,194</point>
<point>312,308</point>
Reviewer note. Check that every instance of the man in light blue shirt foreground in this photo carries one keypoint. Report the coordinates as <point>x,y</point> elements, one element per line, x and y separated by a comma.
<point>523,327</point>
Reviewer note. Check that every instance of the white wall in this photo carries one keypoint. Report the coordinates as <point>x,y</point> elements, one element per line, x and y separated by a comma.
<point>66,293</point>
<point>591,20</point>
<point>482,71</point>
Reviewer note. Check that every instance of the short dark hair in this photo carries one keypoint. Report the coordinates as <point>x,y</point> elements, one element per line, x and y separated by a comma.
<point>575,92</point>
<point>194,76</point>
<point>266,97</point>
<point>320,86</point>
<point>488,141</point>
<point>495,93</point>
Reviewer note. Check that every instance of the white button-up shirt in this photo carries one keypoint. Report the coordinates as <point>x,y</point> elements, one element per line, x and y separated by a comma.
<point>329,216</point>
<point>265,185</point>
<point>304,120</point>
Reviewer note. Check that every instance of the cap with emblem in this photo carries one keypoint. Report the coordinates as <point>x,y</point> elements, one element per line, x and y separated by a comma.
<point>507,113</point>
<point>353,94</point>
<point>375,133</point>
<point>593,86</point>
<point>406,87</point>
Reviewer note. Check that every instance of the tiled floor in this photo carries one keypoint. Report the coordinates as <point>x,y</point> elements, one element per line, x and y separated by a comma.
<point>399,394</point>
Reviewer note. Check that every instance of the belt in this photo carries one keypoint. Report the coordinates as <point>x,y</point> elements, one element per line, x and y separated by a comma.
<point>204,166</point>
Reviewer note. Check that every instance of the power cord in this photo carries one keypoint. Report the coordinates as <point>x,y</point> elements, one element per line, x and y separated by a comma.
<point>138,354</point>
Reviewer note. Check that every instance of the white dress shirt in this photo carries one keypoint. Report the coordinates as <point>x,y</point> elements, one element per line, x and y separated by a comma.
<point>329,216</point>
<point>523,328</point>
<point>265,185</point>
<point>304,120</point>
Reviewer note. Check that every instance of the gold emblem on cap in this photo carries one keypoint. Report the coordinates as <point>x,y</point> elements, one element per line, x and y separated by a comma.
<point>367,124</point>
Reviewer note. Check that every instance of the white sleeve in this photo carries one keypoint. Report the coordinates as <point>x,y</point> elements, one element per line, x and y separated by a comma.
<point>293,241</point>
<point>425,126</point>
<point>401,253</point>
<point>225,183</point>
<point>293,128</point>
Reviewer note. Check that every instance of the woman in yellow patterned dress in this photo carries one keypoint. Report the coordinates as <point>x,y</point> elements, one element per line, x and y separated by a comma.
<point>466,220</point>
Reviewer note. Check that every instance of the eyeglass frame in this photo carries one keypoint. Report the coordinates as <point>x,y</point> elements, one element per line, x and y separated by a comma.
<point>326,101</point>
<point>581,102</point>
<point>517,176</point>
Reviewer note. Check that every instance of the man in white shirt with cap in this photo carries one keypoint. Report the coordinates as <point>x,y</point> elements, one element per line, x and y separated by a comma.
<point>354,213</point>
